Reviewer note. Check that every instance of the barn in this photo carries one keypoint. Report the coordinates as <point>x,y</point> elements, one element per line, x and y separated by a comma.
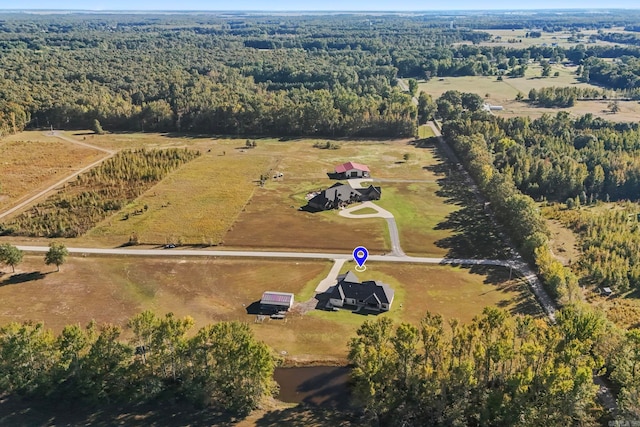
<point>352,170</point>
<point>274,302</point>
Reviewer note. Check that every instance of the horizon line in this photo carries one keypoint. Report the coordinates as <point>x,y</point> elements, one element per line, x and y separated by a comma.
<point>573,9</point>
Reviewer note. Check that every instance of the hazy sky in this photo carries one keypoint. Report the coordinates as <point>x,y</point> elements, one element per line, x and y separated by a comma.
<point>372,5</point>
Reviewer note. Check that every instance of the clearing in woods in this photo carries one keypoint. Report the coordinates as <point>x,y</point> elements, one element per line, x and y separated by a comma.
<point>504,92</point>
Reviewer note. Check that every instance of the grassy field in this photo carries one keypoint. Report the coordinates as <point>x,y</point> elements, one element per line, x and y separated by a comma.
<point>453,292</point>
<point>32,161</point>
<point>425,131</point>
<point>273,221</point>
<point>418,211</point>
<point>274,208</point>
<point>504,93</point>
<point>517,38</point>
<point>111,289</point>
<point>196,204</point>
<point>216,199</point>
<point>506,90</point>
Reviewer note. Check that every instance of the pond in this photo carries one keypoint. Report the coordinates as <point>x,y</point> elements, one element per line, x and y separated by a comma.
<point>326,386</point>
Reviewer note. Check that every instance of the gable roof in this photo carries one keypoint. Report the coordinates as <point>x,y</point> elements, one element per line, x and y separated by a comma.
<point>351,165</point>
<point>277,298</point>
<point>350,287</point>
<point>348,277</point>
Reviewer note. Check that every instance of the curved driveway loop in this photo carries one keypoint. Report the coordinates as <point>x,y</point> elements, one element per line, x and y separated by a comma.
<point>396,249</point>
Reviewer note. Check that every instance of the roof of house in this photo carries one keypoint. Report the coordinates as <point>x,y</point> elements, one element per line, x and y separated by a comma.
<point>348,277</point>
<point>350,287</point>
<point>277,298</point>
<point>351,165</point>
<point>319,200</point>
<point>369,190</point>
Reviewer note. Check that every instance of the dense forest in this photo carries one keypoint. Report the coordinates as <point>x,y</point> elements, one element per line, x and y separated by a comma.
<point>263,75</point>
<point>498,370</point>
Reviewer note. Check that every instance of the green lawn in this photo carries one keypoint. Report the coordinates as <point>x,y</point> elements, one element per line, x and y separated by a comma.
<point>425,131</point>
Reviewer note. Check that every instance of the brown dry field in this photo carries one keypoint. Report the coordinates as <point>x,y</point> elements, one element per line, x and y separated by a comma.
<point>32,161</point>
<point>112,289</point>
<point>270,221</point>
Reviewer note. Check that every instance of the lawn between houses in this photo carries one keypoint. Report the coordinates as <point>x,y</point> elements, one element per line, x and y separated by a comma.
<point>113,288</point>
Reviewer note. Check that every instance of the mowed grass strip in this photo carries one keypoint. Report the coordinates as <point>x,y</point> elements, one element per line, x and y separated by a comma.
<point>196,204</point>
<point>425,131</point>
<point>418,211</point>
<point>31,161</point>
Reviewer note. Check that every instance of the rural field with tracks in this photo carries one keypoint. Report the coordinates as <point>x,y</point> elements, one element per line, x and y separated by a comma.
<point>216,200</point>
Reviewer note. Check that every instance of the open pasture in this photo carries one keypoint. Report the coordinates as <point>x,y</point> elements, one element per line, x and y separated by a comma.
<point>112,289</point>
<point>194,205</point>
<point>273,221</point>
<point>629,110</point>
<point>504,93</point>
<point>217,198</point>
<point>31,162</point>
<point>518,38</point>
<point>500,92</point>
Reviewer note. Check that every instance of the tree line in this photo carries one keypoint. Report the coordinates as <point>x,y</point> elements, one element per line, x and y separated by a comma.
<point>220,366</point>
<point>498,370</point>
<point>562,97</point>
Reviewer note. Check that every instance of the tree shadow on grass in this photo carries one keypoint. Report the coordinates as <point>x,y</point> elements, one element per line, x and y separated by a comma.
<point>474,234</point>
<point>15,279</point>
<point>15,411</point>
<point>304,416</point>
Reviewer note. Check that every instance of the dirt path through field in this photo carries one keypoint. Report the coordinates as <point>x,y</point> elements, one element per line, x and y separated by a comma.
<point>51,188</point>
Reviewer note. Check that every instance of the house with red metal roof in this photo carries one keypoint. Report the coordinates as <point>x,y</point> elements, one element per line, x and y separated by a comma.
<point>352,170</point>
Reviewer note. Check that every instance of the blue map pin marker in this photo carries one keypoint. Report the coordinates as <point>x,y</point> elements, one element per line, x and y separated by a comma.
<point>360,254</point>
